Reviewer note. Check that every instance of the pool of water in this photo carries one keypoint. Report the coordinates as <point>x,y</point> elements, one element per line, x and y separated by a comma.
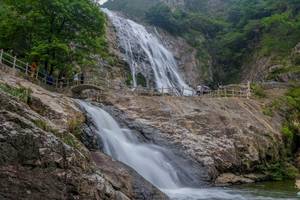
<point>259,191</point>
<point>271,190</point>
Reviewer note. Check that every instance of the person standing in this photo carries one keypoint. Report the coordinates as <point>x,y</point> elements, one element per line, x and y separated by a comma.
<point>33,69</point>
<point>76,78</point>
<point>82,78</point>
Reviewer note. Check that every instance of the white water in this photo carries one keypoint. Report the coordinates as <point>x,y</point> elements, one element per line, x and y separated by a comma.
<point>151,161</point>
<point>146,54</point>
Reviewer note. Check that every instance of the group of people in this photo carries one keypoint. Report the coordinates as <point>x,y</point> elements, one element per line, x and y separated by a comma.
<point>78,77</point>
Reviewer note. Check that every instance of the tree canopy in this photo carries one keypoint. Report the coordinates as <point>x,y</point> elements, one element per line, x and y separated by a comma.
<point>57,34</point>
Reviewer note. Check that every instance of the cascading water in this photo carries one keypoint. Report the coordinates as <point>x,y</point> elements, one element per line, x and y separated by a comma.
<point>146,54</point>
<point>154,163</point>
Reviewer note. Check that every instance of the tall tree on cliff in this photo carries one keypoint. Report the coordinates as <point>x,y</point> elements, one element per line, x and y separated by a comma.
<point>56,33</point>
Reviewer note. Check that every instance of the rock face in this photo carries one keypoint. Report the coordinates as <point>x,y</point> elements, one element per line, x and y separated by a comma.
<point>125,179</point>
<point>35,164</point>
<point>259,68</point>
<point>193,70</point>
<point>41,159</point>
<point>224,135</point>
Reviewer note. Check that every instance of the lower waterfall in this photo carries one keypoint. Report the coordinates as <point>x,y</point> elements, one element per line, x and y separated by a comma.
<point>153,162</point>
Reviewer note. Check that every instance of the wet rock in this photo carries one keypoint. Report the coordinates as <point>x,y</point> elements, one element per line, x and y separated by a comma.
<point>120,176</point>
<point>231,179</point>
<point>190,172</point>
<point>126,179</point>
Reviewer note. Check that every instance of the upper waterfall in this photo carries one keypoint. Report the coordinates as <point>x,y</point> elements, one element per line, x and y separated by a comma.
<point>146,54</point>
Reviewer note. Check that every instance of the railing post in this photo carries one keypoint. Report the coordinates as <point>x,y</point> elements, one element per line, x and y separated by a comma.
<point>1,55</point>
<point>248,89</point>
<point>14,63</point>
<point>37,74</point>
<point>26,69</point>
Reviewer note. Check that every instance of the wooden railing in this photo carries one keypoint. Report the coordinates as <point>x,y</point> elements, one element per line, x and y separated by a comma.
<point>243,91</point>
<point>40,77</point>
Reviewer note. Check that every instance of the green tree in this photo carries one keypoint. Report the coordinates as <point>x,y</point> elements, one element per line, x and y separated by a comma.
<point>55,33</point>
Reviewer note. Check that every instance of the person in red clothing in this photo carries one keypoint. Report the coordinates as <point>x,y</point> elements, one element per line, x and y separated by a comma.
<point>33,69</point>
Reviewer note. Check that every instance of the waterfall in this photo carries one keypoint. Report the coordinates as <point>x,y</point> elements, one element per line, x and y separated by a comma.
<point>154,163</point>
<point>146,54</point>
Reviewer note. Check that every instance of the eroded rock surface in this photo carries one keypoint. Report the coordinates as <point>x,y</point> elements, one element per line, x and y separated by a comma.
<point>224,135</point>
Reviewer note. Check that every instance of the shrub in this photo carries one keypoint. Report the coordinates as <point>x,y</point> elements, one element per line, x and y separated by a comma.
<point>258,91</point>
<point>268,111</point>
<point>279,171</point>
<point>287,132</point>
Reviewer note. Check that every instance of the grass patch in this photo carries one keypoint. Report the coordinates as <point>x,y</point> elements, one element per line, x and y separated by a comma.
<point>67,137</point>
<point>20,93</point>
<point>42,125</point>
<point>75,126</point>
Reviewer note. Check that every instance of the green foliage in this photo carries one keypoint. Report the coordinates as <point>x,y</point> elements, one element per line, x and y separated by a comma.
<point>258,91</point>
<point>280,171</point>
<point>21,93</point>
<point>129,80</point>
<point>141,80</point>
<point>289,107</point>
<point>291,128</point>
<point>283,70</point>
<point>287,132</point>
<point>268,111</point>
<point>55,33</point>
